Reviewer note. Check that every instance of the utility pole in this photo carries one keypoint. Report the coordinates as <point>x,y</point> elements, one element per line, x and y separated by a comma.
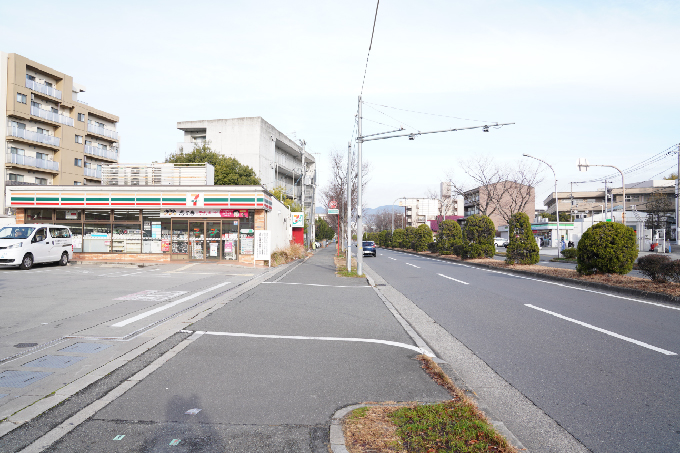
<point>677,194</point>
<point>360,227</point>
<point>606,195</point>
<point>349,207</point>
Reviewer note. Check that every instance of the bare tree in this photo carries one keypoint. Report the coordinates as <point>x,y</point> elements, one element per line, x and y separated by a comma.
<point>382,220</point>
<point>336,189</point>
<point>519,190</point>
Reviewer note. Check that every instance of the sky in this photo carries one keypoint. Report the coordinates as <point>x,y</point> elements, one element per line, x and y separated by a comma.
<point>595,80</point>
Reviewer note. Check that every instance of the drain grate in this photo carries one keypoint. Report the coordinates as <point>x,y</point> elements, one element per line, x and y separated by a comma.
<point>25,345</point>
<point>86,348</point>
<point>19,379</point>
<point>54,361</point>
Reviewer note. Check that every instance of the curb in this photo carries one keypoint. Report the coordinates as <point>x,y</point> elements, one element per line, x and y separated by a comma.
<point>655,297</point>
<point>112,263</point>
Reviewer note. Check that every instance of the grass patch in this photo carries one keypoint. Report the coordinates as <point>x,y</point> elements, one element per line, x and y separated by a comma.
<point>563,260</point>
<point>341,268</point>
<point>451,426</point>
<point>287,254</point>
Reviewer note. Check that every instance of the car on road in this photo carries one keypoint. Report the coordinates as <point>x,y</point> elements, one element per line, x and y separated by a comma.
<point>368,248</point>
<point>500,242</point>
<point>24,245</point>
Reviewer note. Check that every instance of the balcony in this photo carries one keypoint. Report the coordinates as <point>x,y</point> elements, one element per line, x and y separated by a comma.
<point>105,153</point>
<point>51,116</point>
<point>102,131</point>
<point>33,136</point>
<point>92,173</point>
<point>27,161</point>
<point>44,89</point>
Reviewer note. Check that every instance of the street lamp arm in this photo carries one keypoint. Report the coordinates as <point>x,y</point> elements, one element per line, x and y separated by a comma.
<point>411,135</point>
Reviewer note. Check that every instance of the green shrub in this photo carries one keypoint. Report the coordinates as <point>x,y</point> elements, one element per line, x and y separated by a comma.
<point>607,247</point>
<point>449,234</point>
<point>398,238</point>
<point>478,234</point>
<point>522,247</point>
<point>409,238</point>
<point>422,238</point>
<point>570,253</point>
<point>656,267</point>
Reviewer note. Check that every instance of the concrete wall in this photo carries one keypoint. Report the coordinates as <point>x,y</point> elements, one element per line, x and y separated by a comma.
<point>278,222</point>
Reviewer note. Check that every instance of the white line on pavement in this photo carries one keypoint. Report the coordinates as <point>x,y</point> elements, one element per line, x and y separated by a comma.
<point>413,265</point>
<point>166,306</point>
<point>296,337</point>
<point>316,284</point>
<point>455,280</point>
<point>615,335</point>
<point>393,259</point>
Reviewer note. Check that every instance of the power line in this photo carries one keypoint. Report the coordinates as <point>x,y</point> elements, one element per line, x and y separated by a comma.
<point>399,121</point>
<point>432,114</point>
<point>375,19</point>
<point>376,122</point>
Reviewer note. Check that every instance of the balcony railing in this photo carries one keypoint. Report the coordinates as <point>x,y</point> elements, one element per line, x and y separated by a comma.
<point>106,153</point>
<point>45,164</point>
<point>92,172</point>
<point>33,136</point>
<point>44,89</point>
<point>102,131</point>
<point>48,115</point>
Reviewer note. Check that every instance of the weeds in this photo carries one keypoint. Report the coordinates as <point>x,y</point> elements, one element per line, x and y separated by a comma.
<point>288,254</point>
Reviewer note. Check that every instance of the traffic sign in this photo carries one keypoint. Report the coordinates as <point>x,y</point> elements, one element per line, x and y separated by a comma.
<point>333,211</point>
<point>333,204</point>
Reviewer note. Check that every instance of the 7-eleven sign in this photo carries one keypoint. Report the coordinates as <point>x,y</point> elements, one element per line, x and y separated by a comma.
<point>195,200</point>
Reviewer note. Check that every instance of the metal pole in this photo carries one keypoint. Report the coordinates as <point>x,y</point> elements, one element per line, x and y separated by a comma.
<point>677,200</point>
<point>393,212</point>
<point>360,227</point>
<point>349,207</point>
<point>606,210</point>
<point>557,201</point>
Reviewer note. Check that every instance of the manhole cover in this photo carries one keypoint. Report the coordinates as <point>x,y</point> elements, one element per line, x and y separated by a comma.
<point>88,348</point>
<point>381,284</point>
<point>19,379</point>
<point>25,345</point>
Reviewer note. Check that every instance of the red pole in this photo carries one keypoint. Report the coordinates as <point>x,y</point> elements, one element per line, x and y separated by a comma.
<point>338,235</point>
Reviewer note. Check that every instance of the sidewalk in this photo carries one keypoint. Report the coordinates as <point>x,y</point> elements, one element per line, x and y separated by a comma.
<point>257,387</point>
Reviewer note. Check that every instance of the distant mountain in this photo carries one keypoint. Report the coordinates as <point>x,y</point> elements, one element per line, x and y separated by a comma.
<point>368,211</point>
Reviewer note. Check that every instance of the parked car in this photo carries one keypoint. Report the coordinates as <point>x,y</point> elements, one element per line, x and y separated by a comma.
<point>368,248</point>
<point>500,242</point>
<point>24,245</point>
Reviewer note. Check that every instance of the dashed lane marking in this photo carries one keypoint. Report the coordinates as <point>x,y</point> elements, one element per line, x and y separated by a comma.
<point>409,264</point>
<point>608,332</point>
<point>316,284</point>
<point>454,279</point>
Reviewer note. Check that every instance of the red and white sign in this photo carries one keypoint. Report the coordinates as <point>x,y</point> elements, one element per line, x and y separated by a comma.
<point>333,204</point>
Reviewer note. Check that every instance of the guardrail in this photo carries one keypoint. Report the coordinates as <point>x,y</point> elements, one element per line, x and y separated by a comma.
<point>94,151</point>
<point>51,116</point>
<point>102,131</point>
<point>19,159</point>
<point>44,89</point>
<point>33,136</point>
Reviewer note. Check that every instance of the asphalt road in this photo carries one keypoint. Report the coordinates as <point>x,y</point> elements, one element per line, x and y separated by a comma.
<point>266,372</point>
<point>605,368</point>
<point>50,308</point>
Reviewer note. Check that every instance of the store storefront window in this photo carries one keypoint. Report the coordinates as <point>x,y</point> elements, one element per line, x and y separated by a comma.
<point>76,237</point>
<point>69,214</point>
<point>156,232</point>
<point>99,215</point>
<point>122,215</point>
<point>180,246</point>
<point>96,238</point>
<point>127,238</point>
<point>247,233</point>
<point>38,215</point>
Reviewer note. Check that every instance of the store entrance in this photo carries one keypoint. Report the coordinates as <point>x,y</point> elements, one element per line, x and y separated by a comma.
<point>207,240</point>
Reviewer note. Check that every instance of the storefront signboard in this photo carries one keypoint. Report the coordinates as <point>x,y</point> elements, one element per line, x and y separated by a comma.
<point>297,219</point>
<point>71,215</point>
<point>247,245</point>
<point>262,245</point>
<point>226,213</point>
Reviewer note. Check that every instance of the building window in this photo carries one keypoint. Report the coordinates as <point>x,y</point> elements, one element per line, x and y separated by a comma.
<point>42,156</point>
<point>17,151</point>
<point>30,77</point>
<point>15,177</point>
<point>41,181</point>
<point>88,165</point>
<point>78,162</point>
<point>81,117</point>
<point>44,215</point>
<point>77,183</point>
<point>79,139</point>
<point>21,98</point>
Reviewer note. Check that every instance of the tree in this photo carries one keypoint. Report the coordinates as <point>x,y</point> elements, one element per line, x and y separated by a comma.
<point>564,216</point>
<point>323,230</point>
<point>422,237</point>
<point>448,236</point>
<point>382,220</point>
<point>336,189</point>
<point>660,212</point>
<point>478,234</point>
<point>279,192</point>
<point>606,247</point>
<point>228,171</point>
<point>398,238</point>
<point>522,248</point>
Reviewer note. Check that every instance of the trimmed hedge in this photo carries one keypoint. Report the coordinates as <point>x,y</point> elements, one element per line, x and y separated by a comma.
<point>606,247</point>
<point>448,236</point>
<point>570,253</point>
<point>659,268</point>
<point>522,248</point>
<point>478,234</point>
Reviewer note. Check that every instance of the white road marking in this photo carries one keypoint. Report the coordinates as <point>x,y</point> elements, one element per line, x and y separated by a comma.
<point>316,284</point>
<point>297,337</point>
<point>182,268</point>
<point>394,259</point>
<point>166,306</point>
<point>455,280</point>
<point>413,265</point>
<point>615,335</point>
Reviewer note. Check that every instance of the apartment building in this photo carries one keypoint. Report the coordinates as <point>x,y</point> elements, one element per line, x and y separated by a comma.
<point>499,201</point>
<point>582,204</point>
<point>158,174</point>
<point>417,211</point>
<point>50,136</point>
<point>276,159</point>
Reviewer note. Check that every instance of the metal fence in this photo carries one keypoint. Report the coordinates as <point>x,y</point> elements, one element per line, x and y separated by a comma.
<point>51,116</point>
<point>106,153</point>
<point>20,159</point>
<point>44,89</point>
<point>33,136</point>
<point>102,131</point>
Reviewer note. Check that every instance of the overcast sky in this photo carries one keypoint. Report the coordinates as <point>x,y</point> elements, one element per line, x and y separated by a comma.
<point>593,79</point>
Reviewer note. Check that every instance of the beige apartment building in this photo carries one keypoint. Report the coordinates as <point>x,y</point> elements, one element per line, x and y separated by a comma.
<point>50,137</point>
<point>500,200</point>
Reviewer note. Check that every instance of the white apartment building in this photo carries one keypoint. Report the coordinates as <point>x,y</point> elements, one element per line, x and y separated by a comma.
<point>276,159</point>
<point>158,174</point>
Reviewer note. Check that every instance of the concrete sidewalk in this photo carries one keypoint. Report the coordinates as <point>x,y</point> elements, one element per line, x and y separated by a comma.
<point>267,372</point>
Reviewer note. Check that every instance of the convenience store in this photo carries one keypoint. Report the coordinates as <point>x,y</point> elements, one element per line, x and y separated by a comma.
<point>152,223</point>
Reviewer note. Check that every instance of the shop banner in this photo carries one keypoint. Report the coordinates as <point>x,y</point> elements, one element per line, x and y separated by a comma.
<point>263,245</point>
<point>227,213</point>
<point>297,219</point>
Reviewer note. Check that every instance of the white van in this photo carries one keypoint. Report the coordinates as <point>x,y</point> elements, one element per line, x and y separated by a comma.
<point>23,245</point>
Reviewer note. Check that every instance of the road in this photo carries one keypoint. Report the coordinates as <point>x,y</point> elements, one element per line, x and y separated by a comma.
<point>605,368</point>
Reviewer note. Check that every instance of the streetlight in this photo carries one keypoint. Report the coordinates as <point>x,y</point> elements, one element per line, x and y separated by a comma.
<point>583,166</point>
<point>557,201</point>
<point>592,220</point>
<point>400,198</point>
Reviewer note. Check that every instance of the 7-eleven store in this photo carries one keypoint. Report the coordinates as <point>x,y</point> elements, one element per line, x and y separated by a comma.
<point>159,223</point>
